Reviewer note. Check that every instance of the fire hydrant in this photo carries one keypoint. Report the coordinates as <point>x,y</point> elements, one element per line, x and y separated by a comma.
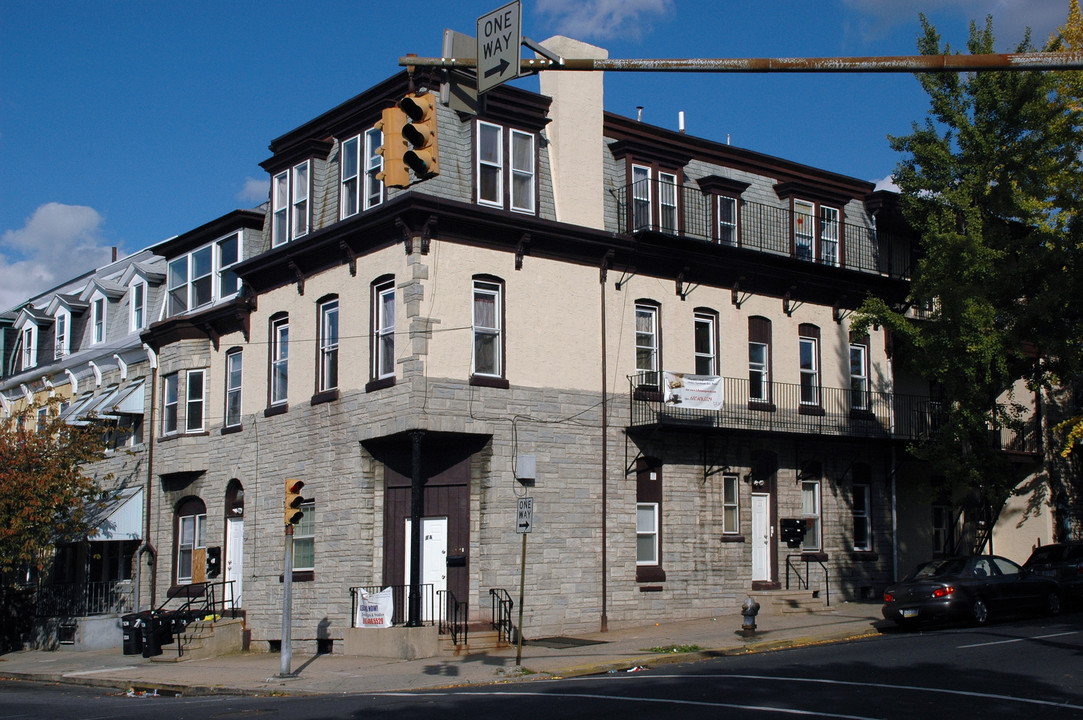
<point>749,609</point>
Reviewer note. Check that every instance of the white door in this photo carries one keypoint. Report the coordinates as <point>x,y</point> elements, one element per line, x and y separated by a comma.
<point>234,559</point>
<point>433,559</point>
<point>761,537</point>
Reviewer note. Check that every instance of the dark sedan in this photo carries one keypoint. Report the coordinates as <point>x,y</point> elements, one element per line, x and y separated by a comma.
<point>969,588</point>
<point>1062,562</point>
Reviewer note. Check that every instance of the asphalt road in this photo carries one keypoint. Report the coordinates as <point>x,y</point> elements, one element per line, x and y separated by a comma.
<point>1025,669</point>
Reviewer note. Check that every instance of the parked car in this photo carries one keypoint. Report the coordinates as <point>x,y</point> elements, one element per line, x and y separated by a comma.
<point>973,588</point>
<point>1062,562</point>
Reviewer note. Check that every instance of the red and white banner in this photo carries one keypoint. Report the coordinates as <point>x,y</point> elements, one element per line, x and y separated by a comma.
<point>699,392</point>
<point>374,610</point>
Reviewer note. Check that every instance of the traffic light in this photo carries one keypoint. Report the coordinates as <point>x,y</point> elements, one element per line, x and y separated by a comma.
<point>420,134</point>
<point>293,501</point>
<point>792,531</point>
<point>395,172</point>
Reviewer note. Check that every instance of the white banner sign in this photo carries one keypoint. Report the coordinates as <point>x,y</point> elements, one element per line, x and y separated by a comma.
<point>701,392</point>
<point>374,610</point>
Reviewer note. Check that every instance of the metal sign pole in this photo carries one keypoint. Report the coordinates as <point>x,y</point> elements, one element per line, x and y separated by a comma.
<point>287,605</point>
<point>522,581</point>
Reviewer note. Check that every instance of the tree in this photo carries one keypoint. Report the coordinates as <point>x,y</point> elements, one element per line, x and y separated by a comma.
<point>44,491</point>
<point>991,182</point>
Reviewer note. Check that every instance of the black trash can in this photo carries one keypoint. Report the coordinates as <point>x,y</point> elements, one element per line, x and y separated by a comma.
<point>132,627</point>
<point>152,636</point>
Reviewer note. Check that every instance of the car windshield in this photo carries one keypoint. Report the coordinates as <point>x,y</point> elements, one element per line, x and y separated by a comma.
<point>936,568</point>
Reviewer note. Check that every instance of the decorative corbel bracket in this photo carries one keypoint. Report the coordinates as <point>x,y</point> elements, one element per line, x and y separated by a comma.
<point>788,303</point>
<point>521,250</point>
<point>425,233</point>
<point>838,312</point>
<point>683,290</point>
<point>603,269</point>
<point>625,276</point>
<point>351,257</point>
<point>737,296</point>
<point>300,277</point>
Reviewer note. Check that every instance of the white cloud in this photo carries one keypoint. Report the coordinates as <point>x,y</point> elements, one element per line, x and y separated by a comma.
<point>255,190</point>
<point>57,243</point>
<point>602,19</point>
<point>887,183</point>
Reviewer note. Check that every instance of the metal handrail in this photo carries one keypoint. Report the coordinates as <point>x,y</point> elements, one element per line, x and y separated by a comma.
<point>453,617</point>
<point>501,606</point>
<point>804,557</point>
<point>398,596</point>
<point>687,211</point>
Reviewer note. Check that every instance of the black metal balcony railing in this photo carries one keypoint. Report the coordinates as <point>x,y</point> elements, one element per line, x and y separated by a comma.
<point>841,412</point>
<point>687,211</point>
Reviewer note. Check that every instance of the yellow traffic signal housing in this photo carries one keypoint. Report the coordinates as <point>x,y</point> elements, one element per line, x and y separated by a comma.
<point>293,501</point>
<point>395,172</point>
<point>420,134</point>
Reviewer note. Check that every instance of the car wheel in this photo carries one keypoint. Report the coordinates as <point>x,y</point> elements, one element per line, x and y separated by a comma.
<point>980,612</point>
<point>1052,604</point>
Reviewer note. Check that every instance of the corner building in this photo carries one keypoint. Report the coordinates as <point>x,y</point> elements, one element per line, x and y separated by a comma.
<point>514,327</point>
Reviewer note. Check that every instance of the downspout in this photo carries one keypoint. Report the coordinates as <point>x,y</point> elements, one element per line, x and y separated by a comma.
<point>146,547</point>
<point>605,450</point>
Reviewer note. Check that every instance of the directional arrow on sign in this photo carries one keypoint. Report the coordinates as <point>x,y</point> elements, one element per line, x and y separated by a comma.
<point>499,69</point>
<point>500,35</point>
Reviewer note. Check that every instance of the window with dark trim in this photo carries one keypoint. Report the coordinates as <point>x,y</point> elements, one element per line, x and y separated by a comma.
<point>488,330</point>
<point>233,389</point>
<point>809,366</point>
<point>190,554</point>
<point>706,341</point>
<point>195,401</point>
<point>506,167</point>
<point>759,363</point>
<point>279,349</point>
<point>731,518</point>
<point>327,344</point>
<point>860,399</point>
<point>290,207</point>
<point>811,505</point>
<point>649,521</point>
<point>383,328</point>
<point>648,343</point>
<point>170,403</point>
<point>861,507</point>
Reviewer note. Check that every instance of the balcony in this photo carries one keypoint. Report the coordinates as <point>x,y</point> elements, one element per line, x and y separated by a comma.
<point>687,211</point>
<point>789,408</point>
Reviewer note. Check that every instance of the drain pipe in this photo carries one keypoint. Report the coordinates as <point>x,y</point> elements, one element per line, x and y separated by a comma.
<point>147,547</point>
<point>605,450</point>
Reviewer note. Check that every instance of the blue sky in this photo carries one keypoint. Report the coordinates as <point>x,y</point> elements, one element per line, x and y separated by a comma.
<point>126,123</point>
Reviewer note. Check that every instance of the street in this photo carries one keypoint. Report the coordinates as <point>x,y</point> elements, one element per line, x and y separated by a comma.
<point>1025,668</point>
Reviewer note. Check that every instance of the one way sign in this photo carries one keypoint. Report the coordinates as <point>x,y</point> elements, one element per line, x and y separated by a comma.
<point>524,519</point>
<point>500,34</point>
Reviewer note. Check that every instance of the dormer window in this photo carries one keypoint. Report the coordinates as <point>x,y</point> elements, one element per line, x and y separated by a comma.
<point>228,255</point>
<point>137,305</point>
<point>497,179</point>
<point>290,193</point>
<point>98,311</point>
<point>30,347</point>
<point>654,199</point>
<point>61,328</point>
<point>191,281</point>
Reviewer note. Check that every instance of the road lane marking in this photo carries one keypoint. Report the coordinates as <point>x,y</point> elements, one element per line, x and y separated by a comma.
<point>100,670</point>
<point>662,701</point>
<point>1015,640</point>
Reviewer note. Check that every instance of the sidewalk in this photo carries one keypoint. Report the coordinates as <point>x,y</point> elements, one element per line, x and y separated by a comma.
<point>619,650</point>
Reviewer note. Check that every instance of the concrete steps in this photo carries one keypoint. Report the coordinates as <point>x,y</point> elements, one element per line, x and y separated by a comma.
<point>203,639</point>
<point>781,602</point>
<point>479,637</point>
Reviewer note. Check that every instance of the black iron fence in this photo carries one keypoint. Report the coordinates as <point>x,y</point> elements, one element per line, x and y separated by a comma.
<point>687,211</point>
<point>777,407</point>
<point>430,612</point>
<point>85,598</point>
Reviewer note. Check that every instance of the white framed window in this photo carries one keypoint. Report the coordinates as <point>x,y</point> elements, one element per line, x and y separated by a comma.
<point>228,254</point>
<point>169,403</point>
<point>190,542</point>
<point>808,352</point>
<point>810,510</point>
<point>383,330</point>
<point>667,202</point>
<point>195,401</point>
<point>61,334</point>
<point>280,339</point>
<point>300,199</point>
<point>727,220</point>
<point>374,165</point>
<point>522,171</point>
<point>191,281</point>
<point>137,306</point>
<point>731,518</point>
<point>860,508</point>
<point>859,377</point>
<point>647,533</point>
<point>804,230</point>
<point>30,346</point>
<point>304,538</point>
<point>280,208</point>
<point>757,371</point>
<point>829,235</point>
<point>705,341</point>
<point>233,388</point>
<point>98,318</point>
<point>349,199</point>
<point>490,157</point>
<point>641,197</point>
<point>328,346</point>
<point>487,317</point>
<point>43,421</point>
<point>943,530</point>
<point>647,345</point>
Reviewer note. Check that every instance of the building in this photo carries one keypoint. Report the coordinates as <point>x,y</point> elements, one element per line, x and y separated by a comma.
<point>531,322</point>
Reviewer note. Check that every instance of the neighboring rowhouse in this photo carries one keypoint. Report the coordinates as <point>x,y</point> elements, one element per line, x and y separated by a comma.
<point>79,343</point>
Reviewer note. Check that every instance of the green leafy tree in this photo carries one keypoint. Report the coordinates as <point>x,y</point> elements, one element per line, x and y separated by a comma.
<point>990,181</point>
<point>44,490</point>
